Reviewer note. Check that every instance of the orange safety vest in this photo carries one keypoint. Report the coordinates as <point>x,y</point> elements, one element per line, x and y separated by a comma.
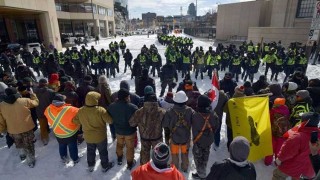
<point>60,120</point>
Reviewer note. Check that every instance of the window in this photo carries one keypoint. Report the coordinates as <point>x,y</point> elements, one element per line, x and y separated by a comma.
<point>305,8</point>
<point>102,10</point>
<point>110,12</point>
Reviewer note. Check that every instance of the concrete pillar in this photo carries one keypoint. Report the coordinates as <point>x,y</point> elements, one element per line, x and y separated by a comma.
<point>96,27</point>
<point>107,28</point>
<point>50,30</point>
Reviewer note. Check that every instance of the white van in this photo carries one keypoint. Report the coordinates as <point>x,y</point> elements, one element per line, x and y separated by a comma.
<point>30,47</point>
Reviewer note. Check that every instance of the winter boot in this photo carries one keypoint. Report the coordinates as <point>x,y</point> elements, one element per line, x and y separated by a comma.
<point>65,159</point>
<point>90,168</point>
<point>130,165</point>
<point>110,165</point>
<point>31,161</point>
<point>196,176</point>
<point>120,160</point>
<point>22,155</point>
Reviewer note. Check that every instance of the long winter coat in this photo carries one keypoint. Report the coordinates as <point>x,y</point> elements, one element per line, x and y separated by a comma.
<point>294,154</point>
<point>149,120</point>
<point>45,96</point>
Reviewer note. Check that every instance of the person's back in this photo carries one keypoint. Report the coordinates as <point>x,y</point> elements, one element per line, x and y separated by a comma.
<point>236,167</point>
<point>83,90</point>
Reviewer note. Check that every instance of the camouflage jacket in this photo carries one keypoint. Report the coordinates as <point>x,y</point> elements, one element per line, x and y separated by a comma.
<point>149,120</point>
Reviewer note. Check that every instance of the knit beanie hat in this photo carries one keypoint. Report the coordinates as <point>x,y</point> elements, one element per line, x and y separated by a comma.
<point>161,154</point>
<point>123,93</point>
<point>239,149</point>
<point>59,97</point>
<point>103,79</point>
<point>279,101</point>
<point>204,101</point>
<point>54,78</point>
<point>169,97</point>
<point>3,87</point>
<point>124,85</point>
<point>43,82</point>
<point>11,91</point>
<point>303,94</point>
<point>87,79</point>
<point>247,84</point>
<point>148,90</point>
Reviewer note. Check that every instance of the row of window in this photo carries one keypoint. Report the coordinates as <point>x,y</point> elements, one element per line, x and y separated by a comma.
<point>83,8</point>
<point>305,8</point>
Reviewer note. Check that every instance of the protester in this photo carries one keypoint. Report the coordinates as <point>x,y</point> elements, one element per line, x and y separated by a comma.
<point>158,167</point>
<point>19,124</point>
<point>60,114</point>
<point>237,166</point>
<point>93,119</point>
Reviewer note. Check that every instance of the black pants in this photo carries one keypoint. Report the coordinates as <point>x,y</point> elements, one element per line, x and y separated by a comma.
<point>103,153</point>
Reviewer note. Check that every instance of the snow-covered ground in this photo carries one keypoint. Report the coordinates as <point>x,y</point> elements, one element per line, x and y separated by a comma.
<point>49,166</point>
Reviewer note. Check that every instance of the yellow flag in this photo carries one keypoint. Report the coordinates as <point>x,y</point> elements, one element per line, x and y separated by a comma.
<point>250,118</point>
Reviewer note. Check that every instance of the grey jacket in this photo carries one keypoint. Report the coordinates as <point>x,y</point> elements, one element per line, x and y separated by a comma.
<point>179,133</point>
<point>198,121</point>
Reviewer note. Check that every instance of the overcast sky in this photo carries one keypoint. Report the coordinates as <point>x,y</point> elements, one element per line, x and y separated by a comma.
<point>172,7</point>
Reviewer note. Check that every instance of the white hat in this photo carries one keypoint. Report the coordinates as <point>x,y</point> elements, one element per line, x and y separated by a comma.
<point>180,97</point>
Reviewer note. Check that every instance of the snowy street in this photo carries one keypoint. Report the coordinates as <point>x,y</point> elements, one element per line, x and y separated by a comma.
<point>48,163</point>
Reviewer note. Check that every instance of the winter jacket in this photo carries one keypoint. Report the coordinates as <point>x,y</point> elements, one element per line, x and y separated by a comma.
<point>15,115</point>
<point>168,71</point>
<point>127,57</point>
<point>279,117</point>
<point>136,70</point>
<point>45,96</point>
<point>315,160</point>
<point>121,112</point>
<point>53,112</point>
<point>149,120</point>
<point>315,96</point>
<point>150,171</point>
<point>300,107</point>
<point>93,119</point>
<point>257,86</point>
<point>179,132</point>
<point>22,72</point>
<point>134,99</point>
<point>105,92</point>
<point>142,83</point>
<point>228,170</point>
<point>198,123</point>
<point>302,83</point>
<point>228,86</point>
<point>294,154</point>
<point>222,101</point>
<point>82,91</point>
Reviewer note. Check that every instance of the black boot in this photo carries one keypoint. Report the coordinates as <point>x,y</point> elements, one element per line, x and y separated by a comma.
<point>130,165</point>
<point>120,160</point>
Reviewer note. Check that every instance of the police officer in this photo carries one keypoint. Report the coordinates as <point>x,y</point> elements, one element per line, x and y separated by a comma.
<point>95,62</point>
<point>156,62</point>
<point>127,60</point>
<point>186,62</point>
<point>122,45</point>
<point>269,59</point>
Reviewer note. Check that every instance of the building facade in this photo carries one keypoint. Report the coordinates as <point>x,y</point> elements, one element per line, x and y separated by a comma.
<point>149,19</point>
<point>192,10</point>
<point>267,20</point>
<point>48,21</point>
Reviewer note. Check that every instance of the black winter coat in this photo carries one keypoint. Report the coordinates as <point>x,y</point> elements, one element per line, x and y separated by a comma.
<point>168,71</point>
<point>315,96</point>
<point>257,86</point>
<point>127,57</point>
<point>143,82</point>
<point>229,171</point>
<point>82,91</point>
<point>228,86</point>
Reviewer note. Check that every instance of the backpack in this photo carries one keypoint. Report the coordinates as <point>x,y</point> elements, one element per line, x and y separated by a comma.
<point>280,124</point>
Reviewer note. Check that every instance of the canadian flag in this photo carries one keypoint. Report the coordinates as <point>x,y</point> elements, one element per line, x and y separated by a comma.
<point>214,91</point>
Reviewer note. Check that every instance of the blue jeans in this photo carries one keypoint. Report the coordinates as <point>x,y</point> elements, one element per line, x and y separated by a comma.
<point>73,150</point>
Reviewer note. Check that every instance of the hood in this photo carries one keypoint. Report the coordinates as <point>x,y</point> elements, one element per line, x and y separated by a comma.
<point>125,85</point>
<point>11,98</point>
<point>92,99</point>
<point>275,89</point>
<point>150,105</point>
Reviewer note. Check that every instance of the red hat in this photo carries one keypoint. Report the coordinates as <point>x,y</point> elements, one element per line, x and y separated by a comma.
<point>279,101</point>
<point>54,78</point>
